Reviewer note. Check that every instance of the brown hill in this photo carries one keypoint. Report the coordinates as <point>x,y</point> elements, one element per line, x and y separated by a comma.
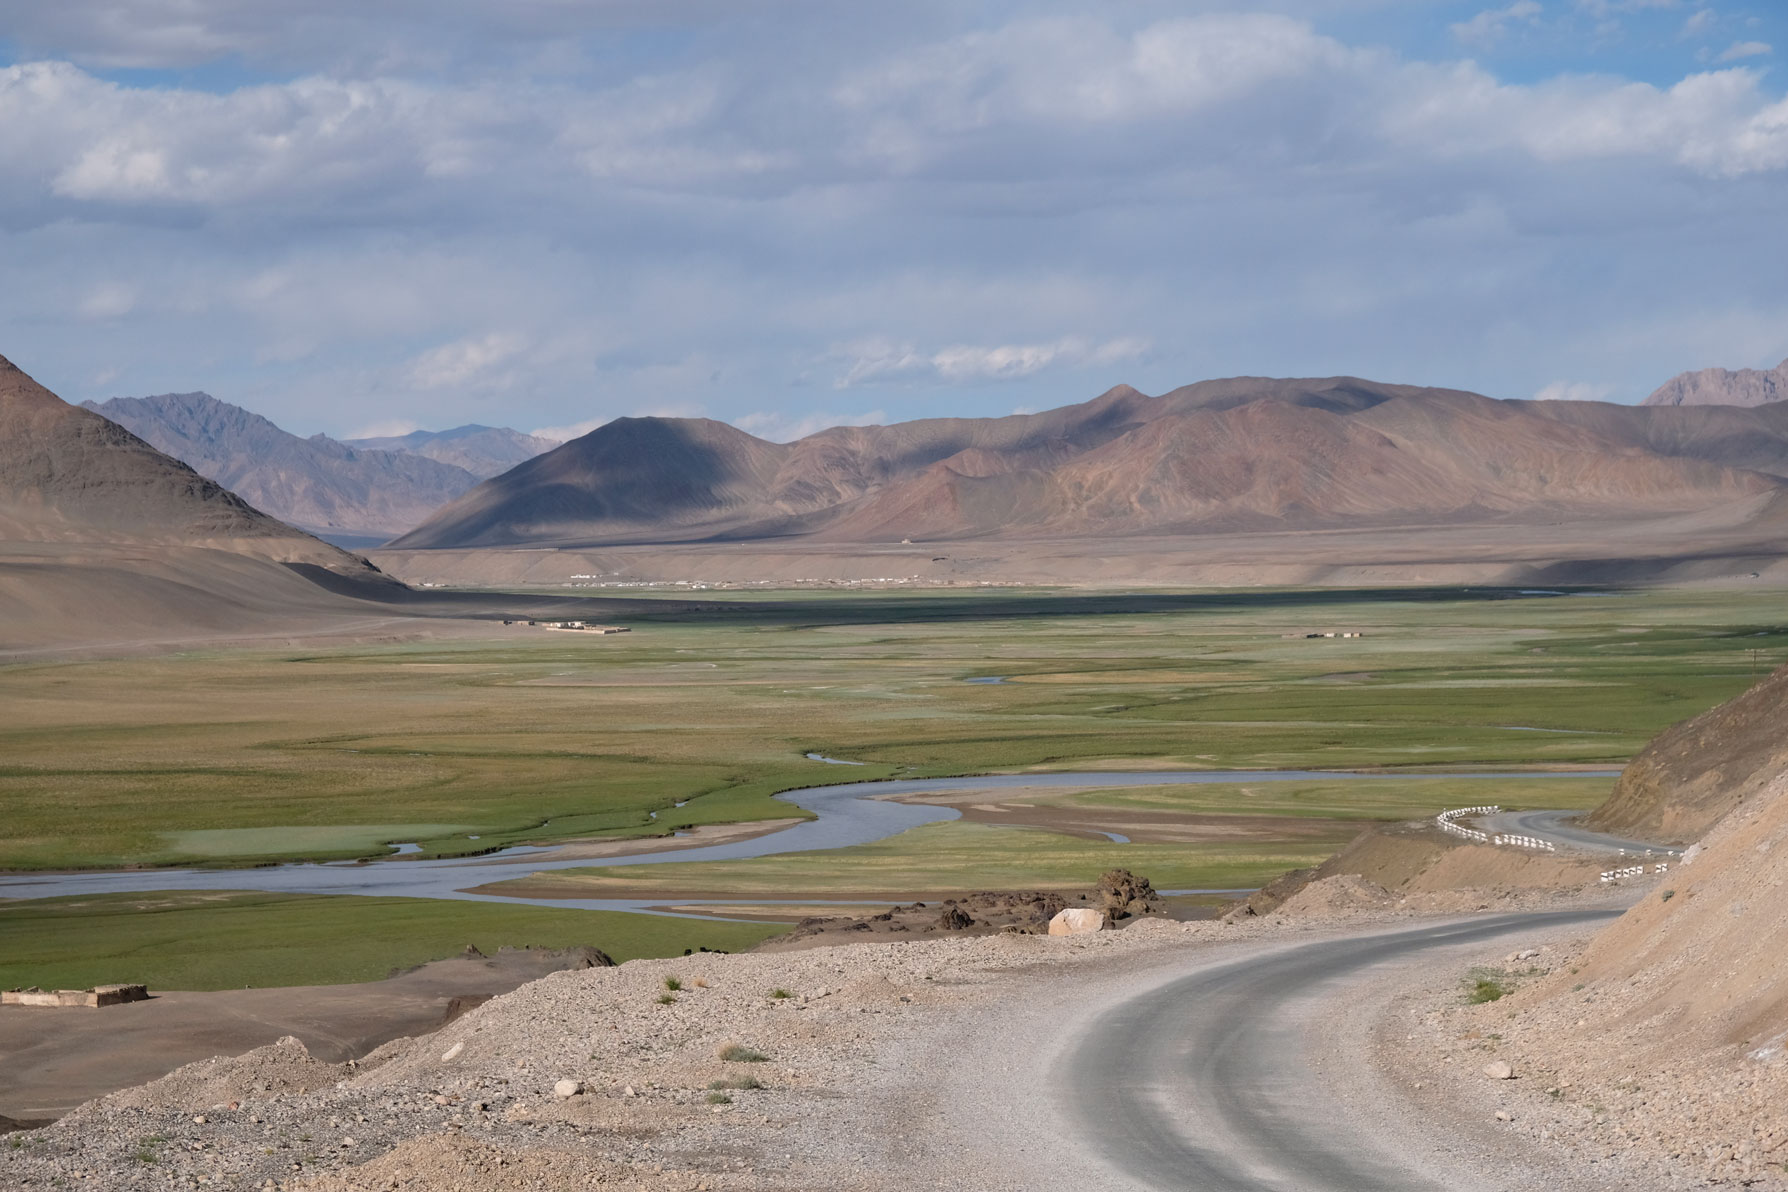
<point>1723,387</point>
<point>101,535</point>
<point>1695,773</point>
<point>1241,453</point>
<point>318,484</point>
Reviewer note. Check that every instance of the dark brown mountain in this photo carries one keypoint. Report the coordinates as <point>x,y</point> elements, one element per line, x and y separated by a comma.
<point>484,451</point>
<point>105,539</point>
<point>1724,387</point>
<point>1242,453</point>
<point>322,485</point>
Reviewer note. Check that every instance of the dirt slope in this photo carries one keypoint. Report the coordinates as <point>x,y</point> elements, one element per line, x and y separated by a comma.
<point>1694,773</point>
<point>1239,454</point>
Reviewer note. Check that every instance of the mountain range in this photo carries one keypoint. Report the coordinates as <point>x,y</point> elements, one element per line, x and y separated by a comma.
<point>351,493</point>
<point>1724,387</point>
<point>1242,454</point>
<point>484,451</point>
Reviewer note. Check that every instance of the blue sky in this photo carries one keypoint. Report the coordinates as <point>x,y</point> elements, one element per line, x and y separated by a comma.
<point>371,215</point>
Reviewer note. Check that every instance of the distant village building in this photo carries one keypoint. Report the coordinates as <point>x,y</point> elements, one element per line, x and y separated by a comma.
<point>99,995</point>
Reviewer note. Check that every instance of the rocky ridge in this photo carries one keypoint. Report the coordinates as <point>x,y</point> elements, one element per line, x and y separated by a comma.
<point>1723,387</point>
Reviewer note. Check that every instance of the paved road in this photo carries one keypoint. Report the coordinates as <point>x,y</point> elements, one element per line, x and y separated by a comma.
<point>1560,828</point>
<point>1205,1082</point>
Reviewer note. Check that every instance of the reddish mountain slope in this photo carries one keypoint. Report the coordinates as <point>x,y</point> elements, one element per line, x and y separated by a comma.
<point>1239,453</point>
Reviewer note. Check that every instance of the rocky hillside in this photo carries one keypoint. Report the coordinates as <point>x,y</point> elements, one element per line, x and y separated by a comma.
<point>484,451</point>
<point>1724,387</point>
<point>1694,773</point>
<point>317,483</point>
<point>1238,454</point>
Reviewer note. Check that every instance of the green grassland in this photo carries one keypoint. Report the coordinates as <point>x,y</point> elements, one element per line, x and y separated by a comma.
<point>232,939</point>
<point>1347,799</point>
<point>244,756</point>
<point>954,858</point>
<point>539,737</point>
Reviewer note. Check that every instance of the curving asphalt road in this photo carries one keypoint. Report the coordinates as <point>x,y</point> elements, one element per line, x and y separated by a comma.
<point>1559,828</point>
<point>1205,1082</point>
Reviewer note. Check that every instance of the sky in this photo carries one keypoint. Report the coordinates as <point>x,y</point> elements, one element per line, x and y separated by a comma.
<point>368,216</point>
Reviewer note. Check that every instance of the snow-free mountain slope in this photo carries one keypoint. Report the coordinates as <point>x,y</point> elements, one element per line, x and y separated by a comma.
<point>317,483</point>
<point>1237,454</point>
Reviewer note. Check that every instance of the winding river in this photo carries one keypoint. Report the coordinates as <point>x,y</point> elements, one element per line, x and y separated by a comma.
<point>845,814</point>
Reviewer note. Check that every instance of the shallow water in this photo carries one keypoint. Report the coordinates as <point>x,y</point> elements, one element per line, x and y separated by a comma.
<point>847,814</point>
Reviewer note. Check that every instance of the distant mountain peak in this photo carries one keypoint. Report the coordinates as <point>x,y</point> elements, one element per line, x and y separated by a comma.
<point>1723,387</point>
<point>317,483</point>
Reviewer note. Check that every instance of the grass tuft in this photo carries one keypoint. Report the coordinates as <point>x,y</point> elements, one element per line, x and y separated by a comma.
<point>738,1053</point>
<point>1487,985</point>
<point>736,1082</point>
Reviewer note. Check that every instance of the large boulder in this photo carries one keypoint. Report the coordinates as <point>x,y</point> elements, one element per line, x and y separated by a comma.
<point>1077,920</point>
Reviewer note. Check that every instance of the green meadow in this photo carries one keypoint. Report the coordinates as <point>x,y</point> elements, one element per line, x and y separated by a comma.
<point>230,939</point>
<point>248,756</point>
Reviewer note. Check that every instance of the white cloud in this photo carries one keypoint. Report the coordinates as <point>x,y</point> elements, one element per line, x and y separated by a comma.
<point>779,427</point>
<point>108,300</point>
<point>874,360</point>
<point>1490,26</point>
<point>1608,8</point>
<point>575,430</point>
<point>457,364</point>
<point>1698,24</point>
<point>1574,391</point>
<point>1744,49</point>
<point>389,428</point>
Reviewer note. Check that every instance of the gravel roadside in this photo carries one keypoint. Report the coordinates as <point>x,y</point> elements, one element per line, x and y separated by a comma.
<point>875,1066</point>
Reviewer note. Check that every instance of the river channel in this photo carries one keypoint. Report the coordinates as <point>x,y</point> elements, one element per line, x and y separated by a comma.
<point>845,814</point>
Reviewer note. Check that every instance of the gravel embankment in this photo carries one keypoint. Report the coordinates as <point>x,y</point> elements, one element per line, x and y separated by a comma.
<point>889,1065</point>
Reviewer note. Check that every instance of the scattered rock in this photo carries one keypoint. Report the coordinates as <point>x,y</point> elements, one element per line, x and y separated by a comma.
<point>568,1088</point>
<point>1499,1070</point>
<point>954,919</point>
<point>453,1051</point>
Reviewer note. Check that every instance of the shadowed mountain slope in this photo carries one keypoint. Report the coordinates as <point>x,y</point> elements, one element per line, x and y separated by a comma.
<point>1240,453</point>
<point>1723,387</point>
<point>484,451</point>
<point>104,537</point>
<point>316,483</point>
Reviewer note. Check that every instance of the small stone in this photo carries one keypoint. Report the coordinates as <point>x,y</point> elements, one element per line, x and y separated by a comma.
<point>628,1092</point>
<point>1503,1115</point>
<point>452,1051</point>
<point>568,1088</point>
<point>198,1119</point>
<point>1499,1070</point>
